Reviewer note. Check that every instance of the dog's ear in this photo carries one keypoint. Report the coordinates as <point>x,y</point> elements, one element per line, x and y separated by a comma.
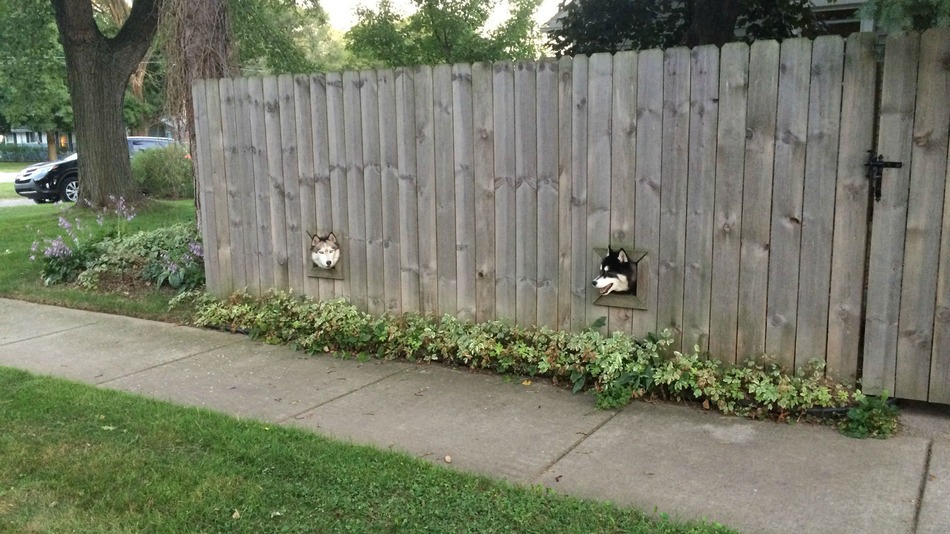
<point>331,237</point>
<point>622,256</point>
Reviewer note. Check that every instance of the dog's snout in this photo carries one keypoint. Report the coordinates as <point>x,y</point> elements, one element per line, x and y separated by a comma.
<point>593,283</point>
<point>329,263</point>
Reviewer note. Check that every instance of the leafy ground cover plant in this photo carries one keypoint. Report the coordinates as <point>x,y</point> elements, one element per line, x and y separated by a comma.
<point>617,368</point>
<point>871,417</point>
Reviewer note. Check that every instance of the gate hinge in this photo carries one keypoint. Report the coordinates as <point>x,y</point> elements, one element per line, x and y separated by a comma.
<point>876,166</point>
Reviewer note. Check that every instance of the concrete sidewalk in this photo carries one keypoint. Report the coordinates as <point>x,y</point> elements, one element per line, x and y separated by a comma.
<point>753,476</point>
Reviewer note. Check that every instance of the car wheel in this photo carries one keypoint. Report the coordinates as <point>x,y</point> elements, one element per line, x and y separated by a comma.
<point>69,189</point>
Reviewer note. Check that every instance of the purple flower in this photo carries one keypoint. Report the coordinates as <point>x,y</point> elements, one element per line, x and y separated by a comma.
<point>57,249</point>
<point>196,249</point>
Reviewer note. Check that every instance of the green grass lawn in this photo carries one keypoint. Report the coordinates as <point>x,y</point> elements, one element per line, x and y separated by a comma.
<point>21,226</point>
<point>81,459</point>
<point>13,166</point>
<point>7,192</point>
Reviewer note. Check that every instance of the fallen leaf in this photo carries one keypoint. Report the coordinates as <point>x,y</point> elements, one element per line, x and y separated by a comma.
<point>448,459</point>
<point>706,404</point>
<point>236,514</point>
<point>275,514</point>
<point>108,427</point>
<point>525,382</point>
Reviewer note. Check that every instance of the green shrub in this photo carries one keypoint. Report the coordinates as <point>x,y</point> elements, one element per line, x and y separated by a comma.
<point>164,172</point>
<point>23,152</point>
<point>617,368</point>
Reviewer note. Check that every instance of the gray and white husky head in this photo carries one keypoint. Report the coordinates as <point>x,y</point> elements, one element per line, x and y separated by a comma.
<point>324,251</point>
<point>617,273</point>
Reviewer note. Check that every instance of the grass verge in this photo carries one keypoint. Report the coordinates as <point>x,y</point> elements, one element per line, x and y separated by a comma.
<point>13,166</point>
<point>83,459</point>
<point>20,278</point>
<point>7,191</point>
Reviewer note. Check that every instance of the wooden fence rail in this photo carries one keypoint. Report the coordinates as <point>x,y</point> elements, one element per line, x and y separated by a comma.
<point>483,190</point>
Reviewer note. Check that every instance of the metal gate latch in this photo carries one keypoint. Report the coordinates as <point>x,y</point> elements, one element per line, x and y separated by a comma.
<point>876,166</point>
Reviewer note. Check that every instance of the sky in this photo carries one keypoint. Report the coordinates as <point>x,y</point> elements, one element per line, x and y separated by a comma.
<point>341,12</point>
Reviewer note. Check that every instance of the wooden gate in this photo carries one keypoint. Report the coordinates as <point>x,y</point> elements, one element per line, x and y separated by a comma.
<point>907,321</point>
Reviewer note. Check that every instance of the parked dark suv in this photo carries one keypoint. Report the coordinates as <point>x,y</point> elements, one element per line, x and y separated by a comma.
<point>59,180</point>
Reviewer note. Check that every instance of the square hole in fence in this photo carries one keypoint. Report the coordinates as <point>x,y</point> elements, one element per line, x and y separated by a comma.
<point>627,299</point>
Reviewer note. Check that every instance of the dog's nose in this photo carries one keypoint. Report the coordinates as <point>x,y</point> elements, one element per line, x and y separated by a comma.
<point>328,264</point>
<point>593,283</point>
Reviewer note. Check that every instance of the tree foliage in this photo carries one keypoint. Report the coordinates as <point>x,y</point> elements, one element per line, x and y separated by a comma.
<point>33,93</point>
<point>443,31</point>
<point>908,15</point>
<point>591,26</point>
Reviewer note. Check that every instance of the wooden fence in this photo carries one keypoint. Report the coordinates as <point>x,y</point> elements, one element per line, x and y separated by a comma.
<point>482,191</point>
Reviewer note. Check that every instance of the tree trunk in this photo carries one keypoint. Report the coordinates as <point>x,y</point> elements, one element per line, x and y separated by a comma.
<point>51,146</point>
<point>98,70</point>
<point>712,22</point>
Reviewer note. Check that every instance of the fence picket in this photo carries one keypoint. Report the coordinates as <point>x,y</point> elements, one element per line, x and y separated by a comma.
<point>700,197</point>
<point>235,252</point>
<point>464,144</point>
<point>671,254</point>
<point>483,167</point>
<point>757,198</point>
<point>547,209</point>
<point>849,244</point>
<point>291,176</point>
<point>580,254</point>
<point>785,246</point>
<point>885,270</point>
<point>275,180</point>
<point>526,194</point>
<point>425,188</point>
<point>408,195</point>
<point>323,188</point>
<point>372,191</point>
<point>355,191</point>
<point>648,174</point>
<point>924,209</point>
<point>205,151</point>
<point>307,208</point>
<point>264,253</point>
<point>623,156</point>
<point>503,82</point>
<point>336,153</point>
<point>727,218</point>
<point>389,178</point>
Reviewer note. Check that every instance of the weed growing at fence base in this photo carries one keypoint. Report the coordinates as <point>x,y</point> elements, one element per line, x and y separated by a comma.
<point>82,459</point>
<point>617,368</point>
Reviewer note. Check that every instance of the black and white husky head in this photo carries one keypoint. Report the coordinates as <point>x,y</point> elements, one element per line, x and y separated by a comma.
<point>324,251</point>
<point>617,273</point>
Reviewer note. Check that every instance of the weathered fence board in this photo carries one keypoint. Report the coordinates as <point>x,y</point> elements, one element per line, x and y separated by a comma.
<point>526,193</point>
<point>623,157</point>
<point>463,131</point>
<point>481,191</point>
<point>885,271</point>
<point>648,175</point>
<point>846,293</point>
<point>336,134</point>
<point>565,199</point>
<point>599,83</point>
<point>818,198</point>
<point>264,252</point>
<point>757,197</point>
<point>727,215</point>
<point>700,198</point>
<point>547,209</point>
<point>924,209</point>
<point>408,194</point>
<point>671,253</point>
<point>389,188</point>
<point>784,249</point>
<point>503,82</point>
<point>306,180</point>
<point>483,168</point>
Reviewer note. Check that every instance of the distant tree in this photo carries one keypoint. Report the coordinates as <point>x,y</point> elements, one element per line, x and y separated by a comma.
<point>591,26</point>
<point>908,15</point>
<point>33,90</point>
<point>443,31</point>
